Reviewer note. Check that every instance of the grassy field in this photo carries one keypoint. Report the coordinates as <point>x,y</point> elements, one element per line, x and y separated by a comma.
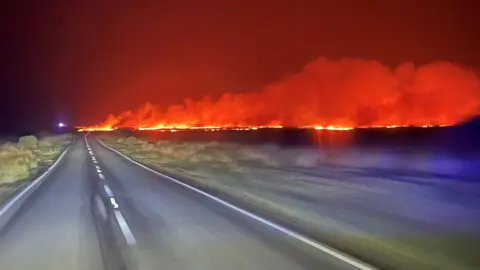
<point>406,222</point>
<point>22,161</point>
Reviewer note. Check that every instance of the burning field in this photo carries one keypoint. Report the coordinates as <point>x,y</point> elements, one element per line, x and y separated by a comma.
<point>326,94</point>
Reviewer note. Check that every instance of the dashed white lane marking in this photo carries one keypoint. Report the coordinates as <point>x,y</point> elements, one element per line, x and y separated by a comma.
<point>332,252</point>
<point>114,203</point>
<point>127,233</point>
<point>108,191</point>
<point>122,223</point>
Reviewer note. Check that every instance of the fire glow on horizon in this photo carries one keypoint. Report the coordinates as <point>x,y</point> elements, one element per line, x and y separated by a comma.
<point>326,95</point>
<point>218,128</point>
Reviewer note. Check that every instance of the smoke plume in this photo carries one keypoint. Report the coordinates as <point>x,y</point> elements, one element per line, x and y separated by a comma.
<point>344,93</point>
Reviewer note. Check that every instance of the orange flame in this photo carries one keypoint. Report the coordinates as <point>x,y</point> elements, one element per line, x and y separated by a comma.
<point>326,95</point>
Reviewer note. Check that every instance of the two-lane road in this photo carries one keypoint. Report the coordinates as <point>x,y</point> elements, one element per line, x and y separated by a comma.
<point>163,225</point>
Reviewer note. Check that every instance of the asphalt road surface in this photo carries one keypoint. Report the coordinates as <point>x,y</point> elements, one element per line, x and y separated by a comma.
<point>98,210</point>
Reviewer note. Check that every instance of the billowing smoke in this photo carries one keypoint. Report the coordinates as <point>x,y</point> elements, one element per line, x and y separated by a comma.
<point>348,92</point>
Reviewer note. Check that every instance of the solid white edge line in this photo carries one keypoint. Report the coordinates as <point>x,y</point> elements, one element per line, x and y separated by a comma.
<point>331,251</point>
<point>127,233</point>
<point>31,185</point>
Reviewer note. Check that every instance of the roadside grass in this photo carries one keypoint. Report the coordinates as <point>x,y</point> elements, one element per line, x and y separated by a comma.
<point>22,161</point>
<point>273,182</point>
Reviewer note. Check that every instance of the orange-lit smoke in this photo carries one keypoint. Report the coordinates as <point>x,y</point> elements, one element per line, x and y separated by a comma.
<point>328,95</point>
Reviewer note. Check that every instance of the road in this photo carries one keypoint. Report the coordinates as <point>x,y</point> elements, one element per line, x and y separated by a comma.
<point>72,222</point>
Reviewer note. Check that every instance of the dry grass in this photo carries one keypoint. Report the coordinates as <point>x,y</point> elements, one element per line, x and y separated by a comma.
<point>15,163</point>
<point>21,161</point>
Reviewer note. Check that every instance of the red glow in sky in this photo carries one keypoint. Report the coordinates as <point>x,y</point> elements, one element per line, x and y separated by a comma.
<point>336,94</point>
<point>82,60</point>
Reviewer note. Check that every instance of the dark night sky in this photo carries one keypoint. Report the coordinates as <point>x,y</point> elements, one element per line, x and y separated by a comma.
<point>80,60</point>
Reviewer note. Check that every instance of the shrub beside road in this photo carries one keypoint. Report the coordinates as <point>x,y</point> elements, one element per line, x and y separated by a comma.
<point>23,161</point>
